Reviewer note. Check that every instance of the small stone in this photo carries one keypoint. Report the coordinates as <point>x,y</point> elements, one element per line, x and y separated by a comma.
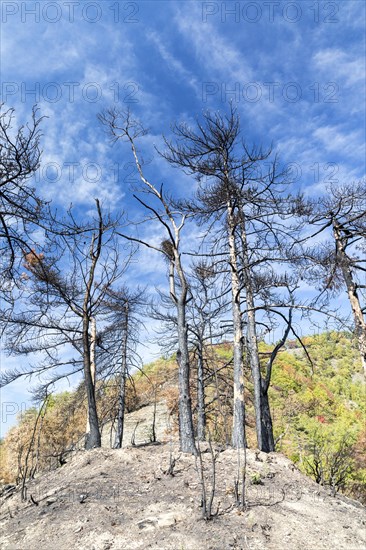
<point>148,524</point>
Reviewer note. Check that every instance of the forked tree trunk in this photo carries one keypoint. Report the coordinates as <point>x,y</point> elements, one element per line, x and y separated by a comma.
<point>122,388</point>
<point>360,325</point>
<point>263,419</point>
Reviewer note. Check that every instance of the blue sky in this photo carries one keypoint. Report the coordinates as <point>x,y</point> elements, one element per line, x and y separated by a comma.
<point>295,71</point>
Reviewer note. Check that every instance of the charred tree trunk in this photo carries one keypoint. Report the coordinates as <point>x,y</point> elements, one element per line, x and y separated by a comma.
<point>92,438</point>
<point>252,349</point>
<point>201,411</point>
<point>122,388</point>
<point>186,430</point>
<point>238,435</point>
<point>93,337</point>
<point>268,444</point>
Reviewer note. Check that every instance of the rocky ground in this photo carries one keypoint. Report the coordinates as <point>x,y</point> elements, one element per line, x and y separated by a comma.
<point>127,499</point>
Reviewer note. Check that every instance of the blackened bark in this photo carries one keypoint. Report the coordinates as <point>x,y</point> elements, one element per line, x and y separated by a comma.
<point>266,417</point>
<point>238,435</point>
<point>93,337</point>
<point>186,430</point>
<point>201,411</point>
<point>92,438</point>
<point>122,387</point>
<point>268,444</point>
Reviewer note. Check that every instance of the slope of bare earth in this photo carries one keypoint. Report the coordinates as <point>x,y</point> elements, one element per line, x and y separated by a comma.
<point>124,499</point>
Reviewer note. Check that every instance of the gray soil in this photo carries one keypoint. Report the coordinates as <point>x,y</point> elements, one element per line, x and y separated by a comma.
<point>125,499</point>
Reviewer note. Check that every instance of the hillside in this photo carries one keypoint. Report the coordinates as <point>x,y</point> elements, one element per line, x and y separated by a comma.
<point>125,499</point>
<point>128,499</point>
<point>318,411</point>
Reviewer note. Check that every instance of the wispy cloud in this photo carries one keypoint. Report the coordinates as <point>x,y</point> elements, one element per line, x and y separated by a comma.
<point>342,65</point>
<point>298,83</point>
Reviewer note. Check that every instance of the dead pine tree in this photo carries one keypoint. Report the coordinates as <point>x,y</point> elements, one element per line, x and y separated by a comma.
<point>206,154</point>
<point>120,126</point>
<point>205,311</point>
<point>117,342</point>
<point>242,201</point>
<point>60,305</point>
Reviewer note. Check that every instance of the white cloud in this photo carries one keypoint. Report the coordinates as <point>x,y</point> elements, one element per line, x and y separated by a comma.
<point>214,51</point>
<point>339,64</point>
<point>173,63</point>
<point>342,142</point>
